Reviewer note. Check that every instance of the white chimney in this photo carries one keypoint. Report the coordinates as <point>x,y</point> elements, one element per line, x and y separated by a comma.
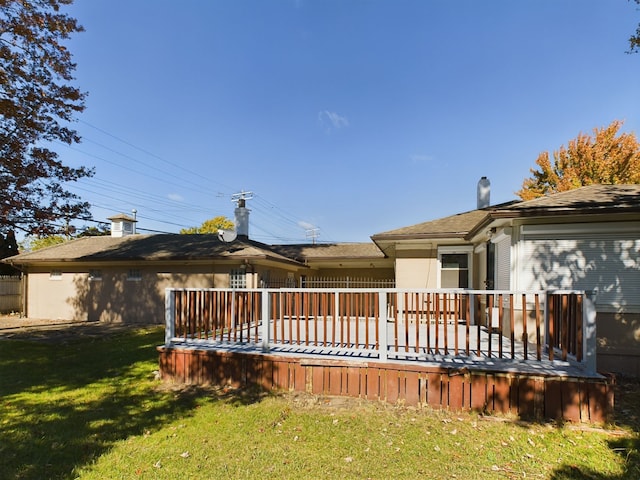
<point>122,225</point>
<point>484,192</point>
<point>242,218</point>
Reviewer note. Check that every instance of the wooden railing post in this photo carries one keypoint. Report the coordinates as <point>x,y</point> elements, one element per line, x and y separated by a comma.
<point>589,331</point>
<point>382,326</point>
<point>266,308</point>
<point>169,315</point>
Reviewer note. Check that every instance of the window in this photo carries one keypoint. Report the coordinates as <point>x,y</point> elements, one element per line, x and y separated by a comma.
<point>95,275</point>
<point>454,265</point>
<point>55,275</point>
<point>455,270</point>
<point>134,275</point>
<point>238,279</point>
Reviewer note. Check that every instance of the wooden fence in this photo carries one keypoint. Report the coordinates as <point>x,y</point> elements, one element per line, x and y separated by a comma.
<point>10,294</point>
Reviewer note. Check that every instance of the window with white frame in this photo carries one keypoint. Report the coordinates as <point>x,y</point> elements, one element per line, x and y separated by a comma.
<point>455,267</point>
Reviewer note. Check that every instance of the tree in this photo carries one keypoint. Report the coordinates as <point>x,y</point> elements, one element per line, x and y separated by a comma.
<point>101,230</point>
<point>606,158</point>
<point>32,244</point>
<point>212,225</point>
<point>634,40</point>
<point>8,248</point>
<point>37,104</point>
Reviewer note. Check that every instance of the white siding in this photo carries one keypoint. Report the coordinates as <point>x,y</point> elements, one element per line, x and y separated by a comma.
<point>604,263</point>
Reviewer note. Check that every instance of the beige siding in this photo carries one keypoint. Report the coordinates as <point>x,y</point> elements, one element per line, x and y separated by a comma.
<point>115,297</point>
<point>54,299</point>
<point>416,273</point>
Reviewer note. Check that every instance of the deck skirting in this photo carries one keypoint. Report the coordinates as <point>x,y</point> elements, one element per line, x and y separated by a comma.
<point>525,395</point>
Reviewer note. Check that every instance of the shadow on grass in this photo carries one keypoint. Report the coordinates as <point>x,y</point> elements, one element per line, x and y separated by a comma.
<point>65,405</point>
<point>629,451</point>
<point>626,416</point>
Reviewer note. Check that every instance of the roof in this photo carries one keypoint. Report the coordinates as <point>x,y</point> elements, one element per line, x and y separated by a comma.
<point>591,199</point>
<point>165,247</point>
<point>330,251</point>
<point>122,216</point>
<point>453,226</point>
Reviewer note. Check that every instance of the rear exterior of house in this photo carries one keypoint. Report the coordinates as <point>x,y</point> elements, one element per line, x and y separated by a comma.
<point>123,277</point>
<point>587,239</point>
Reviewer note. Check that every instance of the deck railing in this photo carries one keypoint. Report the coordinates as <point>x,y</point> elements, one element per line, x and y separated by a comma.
<point>390,324</point>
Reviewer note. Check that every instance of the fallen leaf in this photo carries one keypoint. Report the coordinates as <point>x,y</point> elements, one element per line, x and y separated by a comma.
<point>185,455</point>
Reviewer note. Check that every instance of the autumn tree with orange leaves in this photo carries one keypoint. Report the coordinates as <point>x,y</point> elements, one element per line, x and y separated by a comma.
<point>608,157</point>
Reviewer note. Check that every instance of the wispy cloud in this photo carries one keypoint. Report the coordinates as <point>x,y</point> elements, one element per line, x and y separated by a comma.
<point>332,120</point>
<point>175,197</point>
<point>306,225</point>
<point>420,158</point>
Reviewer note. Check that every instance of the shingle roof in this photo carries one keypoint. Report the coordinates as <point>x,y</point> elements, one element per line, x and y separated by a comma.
<point>456,226</point>
<point>589,199</point>
<point>592,199</point>
<point>331,251</point>
<point>150,247</point>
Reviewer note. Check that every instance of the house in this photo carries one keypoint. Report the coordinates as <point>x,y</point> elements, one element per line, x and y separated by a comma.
<point>587,239</point>
<point>122,277</point>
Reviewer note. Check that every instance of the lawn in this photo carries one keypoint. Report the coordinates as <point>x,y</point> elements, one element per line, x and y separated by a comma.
<point>93,409</point>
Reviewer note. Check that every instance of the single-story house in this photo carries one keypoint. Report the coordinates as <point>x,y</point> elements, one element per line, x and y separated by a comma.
<point>588,239</point>
<point>122,277</point>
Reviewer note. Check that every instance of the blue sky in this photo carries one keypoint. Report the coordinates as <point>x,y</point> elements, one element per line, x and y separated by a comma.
<point>354,117</point>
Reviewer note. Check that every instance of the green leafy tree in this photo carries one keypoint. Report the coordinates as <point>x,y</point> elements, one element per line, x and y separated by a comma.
<point>36,242</point>
<point>33,243</point>
<point>608,157</point>
<point>37,104</point>
<point>100,231</point>
<point>8,248</point>
<point>212,225</point>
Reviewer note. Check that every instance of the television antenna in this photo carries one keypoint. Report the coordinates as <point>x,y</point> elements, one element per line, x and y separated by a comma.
<point>241,197</point>
<point>313,233</point>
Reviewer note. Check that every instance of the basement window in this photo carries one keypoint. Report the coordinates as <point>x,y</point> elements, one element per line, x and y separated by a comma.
<point>134,275</point>
<point>55,275</point>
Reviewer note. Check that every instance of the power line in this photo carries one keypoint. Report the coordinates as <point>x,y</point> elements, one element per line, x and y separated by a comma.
<point>268,218</point>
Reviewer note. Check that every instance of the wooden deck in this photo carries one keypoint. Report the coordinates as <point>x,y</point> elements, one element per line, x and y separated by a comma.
<point>417,348</point>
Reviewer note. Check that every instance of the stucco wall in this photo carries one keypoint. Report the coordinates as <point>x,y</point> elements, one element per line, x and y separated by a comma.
<point>416,272</point>
<point>51,299</point>
<point>618,342</point>
<point>115,298</point>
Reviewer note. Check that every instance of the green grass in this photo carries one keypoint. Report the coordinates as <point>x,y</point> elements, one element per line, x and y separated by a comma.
<point>92,409</point>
